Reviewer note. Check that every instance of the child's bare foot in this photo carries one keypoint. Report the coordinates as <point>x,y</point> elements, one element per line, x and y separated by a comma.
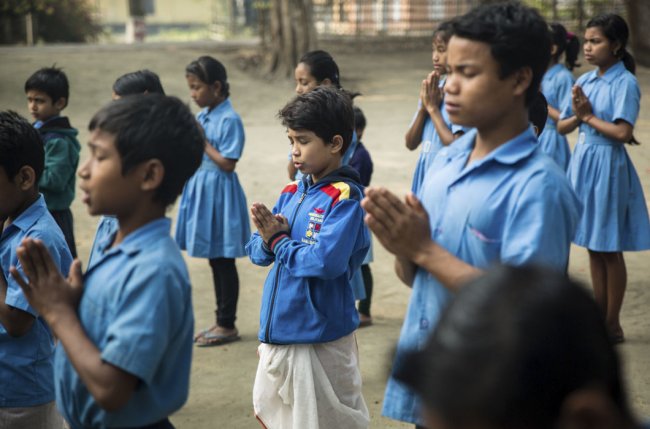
<point>216,336</point>
<point>616,334</point>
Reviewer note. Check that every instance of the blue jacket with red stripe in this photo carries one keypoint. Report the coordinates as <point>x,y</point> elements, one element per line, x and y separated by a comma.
<point>307,296</point>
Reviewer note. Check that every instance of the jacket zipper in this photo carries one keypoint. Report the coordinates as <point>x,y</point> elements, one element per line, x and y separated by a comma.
<point>277,278</point>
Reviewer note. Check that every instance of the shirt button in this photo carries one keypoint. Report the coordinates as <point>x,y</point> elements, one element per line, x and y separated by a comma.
<point>424,323</point>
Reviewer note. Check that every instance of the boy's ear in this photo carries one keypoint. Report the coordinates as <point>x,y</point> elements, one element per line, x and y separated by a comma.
<point>590,408</point>
<point>553,49</point>
<point>25,179</point>
<point>60,103</point>
<point>523,79</point>
<point>337,144</point>
<point>153,173</point>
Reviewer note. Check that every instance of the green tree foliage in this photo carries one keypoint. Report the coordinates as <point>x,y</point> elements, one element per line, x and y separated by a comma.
<point>53,21</point>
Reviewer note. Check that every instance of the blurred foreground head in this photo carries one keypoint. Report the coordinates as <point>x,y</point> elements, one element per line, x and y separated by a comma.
<point>520,348</point>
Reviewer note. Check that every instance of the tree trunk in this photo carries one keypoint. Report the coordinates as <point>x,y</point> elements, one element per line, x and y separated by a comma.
<point>638,18</point>
<point>292,33</point>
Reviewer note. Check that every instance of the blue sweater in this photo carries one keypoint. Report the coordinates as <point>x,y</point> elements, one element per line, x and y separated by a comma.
<point>307,296</point>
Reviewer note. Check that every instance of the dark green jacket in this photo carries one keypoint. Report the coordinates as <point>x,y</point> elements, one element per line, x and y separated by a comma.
<point>61,159</point>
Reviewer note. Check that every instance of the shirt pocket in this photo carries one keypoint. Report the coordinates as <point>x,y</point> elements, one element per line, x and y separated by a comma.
<point>483,245</point>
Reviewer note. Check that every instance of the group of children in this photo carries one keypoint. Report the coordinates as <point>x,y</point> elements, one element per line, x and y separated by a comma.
<point>484,192</point>
<point>498,194</point>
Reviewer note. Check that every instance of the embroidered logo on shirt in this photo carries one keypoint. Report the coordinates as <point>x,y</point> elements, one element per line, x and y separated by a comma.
<point>316,218</point>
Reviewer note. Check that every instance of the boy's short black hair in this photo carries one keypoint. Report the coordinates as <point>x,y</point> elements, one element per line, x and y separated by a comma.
<point>518,37</point>
<point>359,119</point>
<point>138,82</point>
<point>326,111</point>
<point>52,81</point>
<point>538,112</point>
<point>154,126</point>
<point>20,145</point>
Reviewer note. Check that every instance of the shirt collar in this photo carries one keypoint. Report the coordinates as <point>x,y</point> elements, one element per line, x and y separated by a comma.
<point>511,152</point>
<point>28,217</point>
<point>141,237</point>
<point>555,69</point>
<point>205,114</point>
<point>610,75</point>
<point>516,149</point>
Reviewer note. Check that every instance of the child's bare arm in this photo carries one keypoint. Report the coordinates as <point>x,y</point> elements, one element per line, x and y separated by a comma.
<point>431,100</point>
<point>56,300</point>
<point>413,136</point>
<point>16,322</point>
<point>226,164</point>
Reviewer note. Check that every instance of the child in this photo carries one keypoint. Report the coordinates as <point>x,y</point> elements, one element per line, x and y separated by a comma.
<point>316,239</point>
<point>605,106</point>
<point>362,163</point>
<point>212,215</point>
<point>520,348</point>
<point>431,126</point>
<point>26,342</point>
<point>138,82</point>
<point>125,327</point>
<point>496,199</point>
<point>556,86</point>
<point>47,93</point>
<point>314,69</point>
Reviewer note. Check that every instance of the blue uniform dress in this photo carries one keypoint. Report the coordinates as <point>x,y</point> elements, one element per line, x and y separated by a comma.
<point>556,87</point>
<point>430,144</point>
<point>514,206</point>
<point>136,308</point>
<point>615,216</point>
<point>26,378</point>
<point>213,215</point>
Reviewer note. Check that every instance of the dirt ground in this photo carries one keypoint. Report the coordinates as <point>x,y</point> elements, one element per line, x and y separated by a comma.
<point>222,377</point>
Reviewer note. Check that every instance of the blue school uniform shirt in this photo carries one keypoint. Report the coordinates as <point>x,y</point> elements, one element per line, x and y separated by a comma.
<point>430,144</point>
<point>26,377</point>
<point>106,229</point>
<point>515,206</point>
<point>556,87</point>
<point>137,309</point>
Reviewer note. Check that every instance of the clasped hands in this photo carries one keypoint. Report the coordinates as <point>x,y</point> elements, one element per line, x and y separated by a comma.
<point>46,290</point>
<point>402,227</point>
<point>266,222</point>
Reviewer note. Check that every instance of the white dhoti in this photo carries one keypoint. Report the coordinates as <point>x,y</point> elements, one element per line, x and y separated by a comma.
<point>314,386</point>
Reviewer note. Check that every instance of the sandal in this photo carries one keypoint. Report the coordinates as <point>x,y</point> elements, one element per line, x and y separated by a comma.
<point>211,339</point>
<point>202,333</point>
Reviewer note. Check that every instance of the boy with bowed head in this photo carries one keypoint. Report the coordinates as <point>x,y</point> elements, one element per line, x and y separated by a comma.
<point>118,362</point>
<point>495,198</point>
<point>521,347</point>
<point>308,374</point>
